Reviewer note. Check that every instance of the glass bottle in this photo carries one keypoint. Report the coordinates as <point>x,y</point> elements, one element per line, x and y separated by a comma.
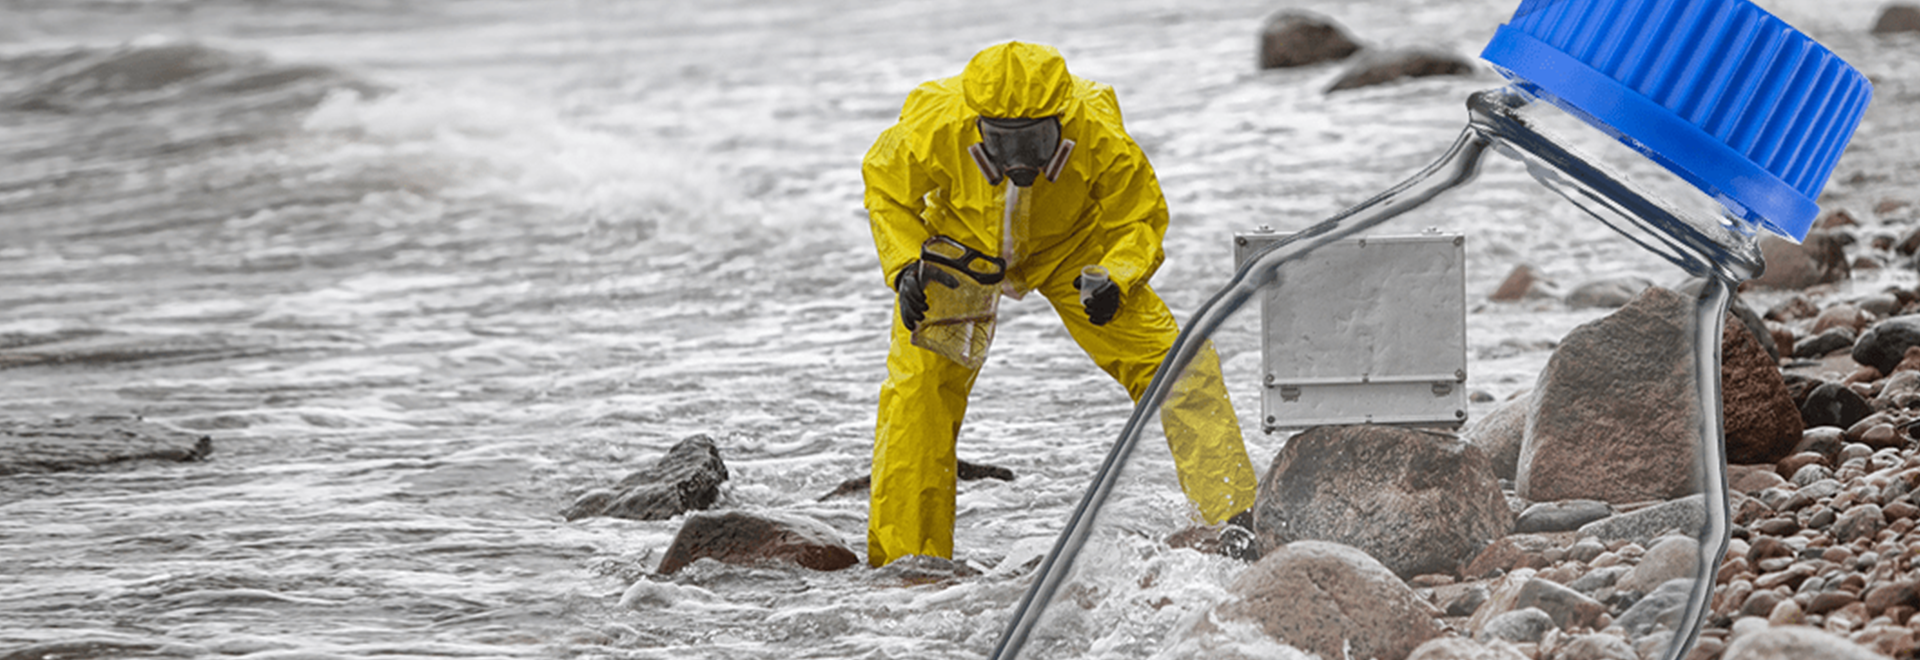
<point>1687,128</point>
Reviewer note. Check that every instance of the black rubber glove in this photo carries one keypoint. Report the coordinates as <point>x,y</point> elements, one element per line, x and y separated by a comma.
<point>1102,302</point>
<point>911,285</point>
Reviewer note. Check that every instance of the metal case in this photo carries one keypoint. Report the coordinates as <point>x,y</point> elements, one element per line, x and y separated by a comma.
<point>1367,330</point>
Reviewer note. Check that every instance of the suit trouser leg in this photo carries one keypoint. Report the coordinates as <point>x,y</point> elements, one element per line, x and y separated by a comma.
<point>1202,429</point>
<point>915,463</point>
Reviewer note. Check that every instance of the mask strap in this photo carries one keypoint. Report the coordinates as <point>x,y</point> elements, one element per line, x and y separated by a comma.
<point>1059,160</point>
<point>992,171</point>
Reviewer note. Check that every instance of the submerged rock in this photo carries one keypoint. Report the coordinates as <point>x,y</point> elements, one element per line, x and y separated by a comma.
<point>1417,501</point>
<point>922,569</point>
<point>967,472</point>
<point>1898,18</point>
<point>1333,600</point>
<point>746,539</point>
<point>1522,283</point>
<point>688,478</point>
<point>93,349</point>
<point>1296,38</point>
<point>1378,68</point>
<point>85,442</point>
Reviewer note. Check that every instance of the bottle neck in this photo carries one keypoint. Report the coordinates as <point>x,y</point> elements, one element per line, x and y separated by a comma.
<point>1654,208</point>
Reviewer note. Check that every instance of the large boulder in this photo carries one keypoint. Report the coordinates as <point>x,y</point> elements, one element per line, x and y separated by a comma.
<point>1332,600</point>
<point>1760,421</point>
<point>688,478</point>
<point>1296,38</point>
<point>86,442</point>
<point>748,539</point>
<point>1615,414</point>
<point>1418,501</point>
<point>1381,67</point>
<point>1884,344</point>
<point>1500,434</point>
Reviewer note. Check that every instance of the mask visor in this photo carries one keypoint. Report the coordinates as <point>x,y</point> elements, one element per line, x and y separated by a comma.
<point>1021,149</point>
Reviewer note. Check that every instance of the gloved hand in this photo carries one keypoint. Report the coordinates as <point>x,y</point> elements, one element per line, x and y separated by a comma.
<point>911,285</point>
<point>1102,302</point>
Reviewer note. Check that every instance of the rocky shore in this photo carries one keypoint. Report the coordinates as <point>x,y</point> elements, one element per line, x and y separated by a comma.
<point>1569,526</point>
<point>1821,397</point>
<point>419,397</point>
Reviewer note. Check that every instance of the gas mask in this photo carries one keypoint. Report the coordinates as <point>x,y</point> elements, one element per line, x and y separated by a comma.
<point>1020,149</point>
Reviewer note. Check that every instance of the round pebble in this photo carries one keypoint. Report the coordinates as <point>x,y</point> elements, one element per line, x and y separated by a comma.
<point>1587,549</point>
<point>1810,474</point>
<point>1787,613</point>
<point>1761,602</point>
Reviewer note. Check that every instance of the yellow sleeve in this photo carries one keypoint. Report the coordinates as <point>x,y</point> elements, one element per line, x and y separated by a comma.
<point>897,187</point>
<point>1131,211</point>
<point>900,172</point>
<point>1133,216</point>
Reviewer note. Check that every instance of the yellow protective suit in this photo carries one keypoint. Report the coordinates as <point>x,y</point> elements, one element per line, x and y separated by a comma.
<point>1105,208</point>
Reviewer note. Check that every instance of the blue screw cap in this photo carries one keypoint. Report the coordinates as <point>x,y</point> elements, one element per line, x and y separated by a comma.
<point>1720,92</point>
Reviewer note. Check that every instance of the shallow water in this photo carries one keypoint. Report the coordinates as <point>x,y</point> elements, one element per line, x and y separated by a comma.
<point>426,271</point>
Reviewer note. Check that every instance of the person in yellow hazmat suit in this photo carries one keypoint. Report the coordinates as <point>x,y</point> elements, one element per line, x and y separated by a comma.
<point>1016,117</point>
